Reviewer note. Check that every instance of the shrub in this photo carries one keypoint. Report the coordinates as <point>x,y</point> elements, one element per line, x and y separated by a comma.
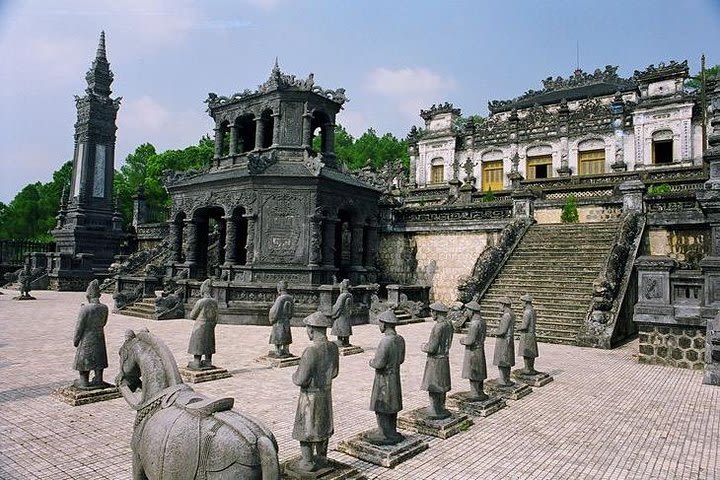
<point>570,211</point>
<point>489,196</point>
<point>659,189</point>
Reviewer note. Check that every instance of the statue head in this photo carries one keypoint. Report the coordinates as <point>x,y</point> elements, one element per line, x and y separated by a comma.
<point>93,292</point>
<point>387,318</point>
<point>527,298</point>
<point>345,285</point>
<point>473,306</point>
<point>504,302</point>
<point>206,288</point>
<point>282,286</point>
<point>438,310</point>
<point>316,322</point>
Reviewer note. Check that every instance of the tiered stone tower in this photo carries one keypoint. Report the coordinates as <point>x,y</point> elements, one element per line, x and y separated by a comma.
<point>88,231</point>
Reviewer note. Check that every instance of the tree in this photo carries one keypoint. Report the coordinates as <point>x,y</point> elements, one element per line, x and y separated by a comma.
<point>695,82</point>
<point>369,148</point>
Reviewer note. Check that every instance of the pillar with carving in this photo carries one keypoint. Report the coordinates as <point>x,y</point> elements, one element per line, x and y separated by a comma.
<point>276,129</point>
<point>357,239</point>
<point>371,246</point>
<point>191,254</point>
<point>250,242</point>
<point>218,141</point>
<point>230,240</point>
<point>328,242</point>
<point>306,127</point>
<point>316,242</point>
<point>176,240</point>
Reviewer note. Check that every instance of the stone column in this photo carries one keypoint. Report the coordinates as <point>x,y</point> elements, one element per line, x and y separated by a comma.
<point>329,138</point>
<point>259,132</point>
<point>276,129</point>
<point>233,139</point>
<point>316,243</point>
<point>306,128</point>
<point>230,240</point>
<point>328,242</point>
<point>356,253</point>
<point>632,192</point>
<point>176,231</point>
<point>371,246</point>
<point>218,141</point>
<point>191,255</point>
<point>250,243</point>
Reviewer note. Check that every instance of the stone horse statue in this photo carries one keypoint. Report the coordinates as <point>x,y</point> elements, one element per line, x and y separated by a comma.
<point>180,434</point>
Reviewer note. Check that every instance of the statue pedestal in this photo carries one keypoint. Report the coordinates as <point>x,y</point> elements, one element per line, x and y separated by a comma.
<point>711,375</point>
<point>351,350</point>
<point>535,380</point>
<point>77,396</point>
<point>383,455</point>
<point>418,421</point>
<point>198,376</point>
<point>278,362</point>
<point>333,470</point>
<point>513,392</point>
<point>464,402</point>
<point>24,297</point>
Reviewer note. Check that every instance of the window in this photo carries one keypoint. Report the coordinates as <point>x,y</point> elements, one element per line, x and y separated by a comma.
<point>437,174</point>
<point>662,151</point>
<point>539,167</point>
<point>591,162</point>
<point>492,176</point>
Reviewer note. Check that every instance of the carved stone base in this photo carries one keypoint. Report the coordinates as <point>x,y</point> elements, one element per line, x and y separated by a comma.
<point>278,362</point>
<point>712,374</point>
<point>75,396</point>
<point>351,350</point>
<point>25,297</point>
<point>418,421</point>
<point>333,470</point>
<point>535,380</point>
<point>513,392</point>
<point>464,402</point>
<point>383,455</point>
<point>198,376</point>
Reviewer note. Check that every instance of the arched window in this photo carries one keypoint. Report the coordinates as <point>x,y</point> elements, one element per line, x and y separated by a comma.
<point>492,171</point>
<point>539,162</point>
<point>246,133</point>
<point>662,147</point>
<point>268,126</point>
<point>323,138</point>
<point>437,171</point>
<point>591,157</point>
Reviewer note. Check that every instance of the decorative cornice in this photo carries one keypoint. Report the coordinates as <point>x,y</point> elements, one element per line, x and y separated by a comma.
<point>446,107</point>
<point>662,71</point>
<point>279,81</point>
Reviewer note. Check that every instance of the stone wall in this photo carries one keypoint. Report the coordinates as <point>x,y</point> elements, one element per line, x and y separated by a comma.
<point>674,346</point>
<point>686,245</point>
<point>396,259</point>
<point>586,213</point>
<point>444,259</point>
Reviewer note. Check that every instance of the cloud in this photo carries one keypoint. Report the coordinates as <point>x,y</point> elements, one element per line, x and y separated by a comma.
<point>355,122</point>
<point>410,89</point>
<point>263,4</point>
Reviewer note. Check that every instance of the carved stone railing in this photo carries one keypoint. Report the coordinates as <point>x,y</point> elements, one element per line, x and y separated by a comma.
<point>492,260</point>
<point>611,288</point>
<point>454,213</point>
<point>136,264</point>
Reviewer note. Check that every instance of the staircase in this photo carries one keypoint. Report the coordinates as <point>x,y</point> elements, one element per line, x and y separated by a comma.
<point>556,264</point>
<point>144,308</point>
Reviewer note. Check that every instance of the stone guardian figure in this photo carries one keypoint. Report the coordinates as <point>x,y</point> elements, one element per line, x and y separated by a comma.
<point>202,339</point>
<point>342,315</point>
<point>474,365</point>
<point>318,366</point>
<point>386,398</point>
<point>280,315</point>
<point>436,378</point>
<point>504,357</point>
<point>528,344</point>
<point>89,339</point>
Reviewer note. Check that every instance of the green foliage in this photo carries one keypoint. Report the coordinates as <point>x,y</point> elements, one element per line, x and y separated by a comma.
<point>488,196</point>
<point>368,149</point>
<point>658,189</point>
<point>31,214</point>
<point>694,82</point>
<point>570,212</point>
<point>146,167</point>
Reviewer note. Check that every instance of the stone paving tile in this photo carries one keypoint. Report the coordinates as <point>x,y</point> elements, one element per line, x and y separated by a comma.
<point>604,417</point>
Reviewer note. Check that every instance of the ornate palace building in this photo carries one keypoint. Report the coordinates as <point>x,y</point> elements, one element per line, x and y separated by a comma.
<point>587,124</point>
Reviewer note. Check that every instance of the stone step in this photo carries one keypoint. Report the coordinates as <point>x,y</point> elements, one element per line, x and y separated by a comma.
<point>131,313</point>
<point>491,311</point>
<point>516,274</point>
<point>546,285</point>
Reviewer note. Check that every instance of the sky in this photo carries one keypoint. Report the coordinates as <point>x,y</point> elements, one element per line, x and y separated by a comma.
<point>392,57</point>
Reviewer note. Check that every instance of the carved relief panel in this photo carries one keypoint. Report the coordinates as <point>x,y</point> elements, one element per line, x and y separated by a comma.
<point>284,228</point>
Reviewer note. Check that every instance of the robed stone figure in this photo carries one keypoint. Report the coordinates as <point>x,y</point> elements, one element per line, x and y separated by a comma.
<point>342,315</point>
<point>202,339</point>
<point>527,346</point>
<point>318,366</point>
<point>504,357</point>
<point>280,315</point>
<point>89,339</point>
<point>436,378</point>
<point>386,398</point>
<point>474,364</point>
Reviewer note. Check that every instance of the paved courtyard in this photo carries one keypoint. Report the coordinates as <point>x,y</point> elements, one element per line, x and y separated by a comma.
<point>604,417</point>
